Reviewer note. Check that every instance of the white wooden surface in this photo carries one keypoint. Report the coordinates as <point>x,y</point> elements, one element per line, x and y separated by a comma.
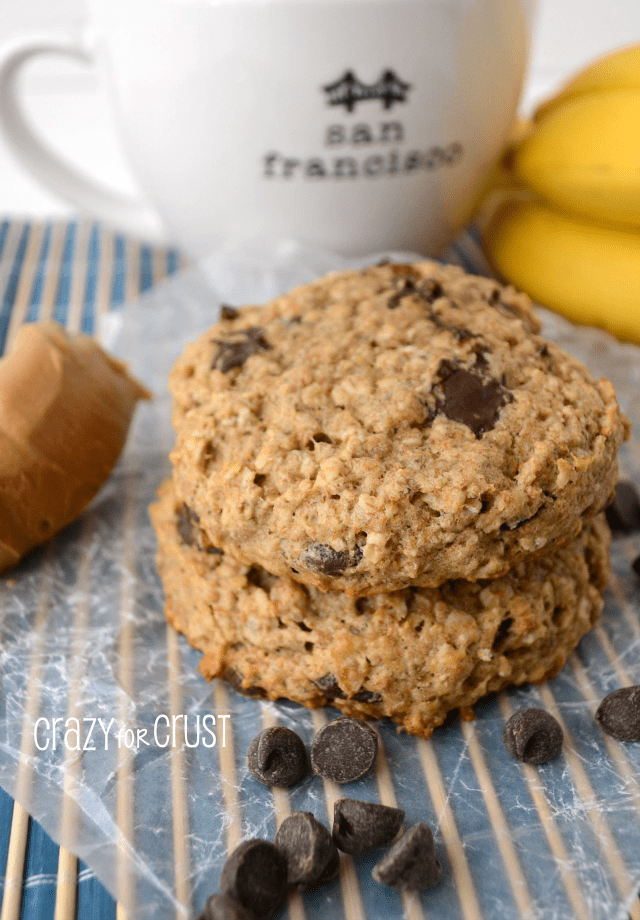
<point>69,104</point>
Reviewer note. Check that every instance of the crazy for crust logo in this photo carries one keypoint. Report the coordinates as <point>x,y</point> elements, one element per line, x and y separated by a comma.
<point>348,90</point>
<point>363,149</point>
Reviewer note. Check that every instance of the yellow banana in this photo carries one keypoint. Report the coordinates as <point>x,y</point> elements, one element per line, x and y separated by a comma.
<point>619,70</point>
<point>588,272</point>
<point>584,157</point>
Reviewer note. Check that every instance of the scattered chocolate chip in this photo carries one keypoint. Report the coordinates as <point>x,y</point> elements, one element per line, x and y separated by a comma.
<point>233,352</point>
<point>532,736</point>
<point>468,399</point>
<point>222,907</point>
<point>329,685</point>
<point>362,826</point>
<point>344,750</point>
<point>623,514</point>
<point>255,875</point>
<point>619,714</point>
<point>411,861</point>
<point>277,757</point>
<point>367,696</point>
<point>311,855</point>
<point>187,524</point>
<point>228,312</point>
<point>635,565</point>
<point>319,557</point>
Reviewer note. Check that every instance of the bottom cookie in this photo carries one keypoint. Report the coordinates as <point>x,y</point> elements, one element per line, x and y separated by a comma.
<point>412,656</point>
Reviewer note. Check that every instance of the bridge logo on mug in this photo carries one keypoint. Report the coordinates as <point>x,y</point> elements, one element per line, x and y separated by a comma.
<point>349,90</point>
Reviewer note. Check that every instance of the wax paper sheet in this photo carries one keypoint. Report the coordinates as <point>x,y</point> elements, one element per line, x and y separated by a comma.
<point>154,809</point>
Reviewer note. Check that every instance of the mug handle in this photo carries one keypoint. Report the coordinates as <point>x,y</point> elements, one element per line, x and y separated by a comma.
<point>128,214</point>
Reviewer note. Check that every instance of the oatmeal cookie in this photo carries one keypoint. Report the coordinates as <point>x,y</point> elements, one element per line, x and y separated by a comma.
<point>401,425</point>
<point>412,655</point>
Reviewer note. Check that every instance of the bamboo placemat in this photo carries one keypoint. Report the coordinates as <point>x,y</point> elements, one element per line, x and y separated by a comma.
<point>74,272</point>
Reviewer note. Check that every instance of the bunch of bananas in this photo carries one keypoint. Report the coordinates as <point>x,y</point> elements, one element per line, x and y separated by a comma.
<point>562,221</point>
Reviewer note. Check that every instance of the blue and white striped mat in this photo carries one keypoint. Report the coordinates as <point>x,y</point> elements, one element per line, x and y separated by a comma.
<point>83,634</point>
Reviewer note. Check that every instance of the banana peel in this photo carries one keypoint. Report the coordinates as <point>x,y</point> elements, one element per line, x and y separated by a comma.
<point>588,272</point>
<point>562,220</point>
<point>619,70</point>
<point>584,157</point>
<point>65,410</point>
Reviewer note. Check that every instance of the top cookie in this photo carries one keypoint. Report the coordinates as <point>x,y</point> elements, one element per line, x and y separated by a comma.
<point>400,425</point>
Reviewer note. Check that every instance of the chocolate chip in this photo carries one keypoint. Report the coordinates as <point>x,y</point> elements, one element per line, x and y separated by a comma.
<point>259,577</point>
<point>411,861</point>
<point>187,523</point>
<point>233,352</point>
<point>502,632</point>
<point>311,855</point>
<point>344,750</point>
<point>635,565</point>
<point>619,714</point>
<point>236,681</point>
<point>403,287</point>
<point>623,514</point>
<point>361,826</point>
<point>190,533</point>
<point>329,685</point>
<point>468,399</point>
<point>430,290</point>
<point>277,757</point>
<point>255,875</point>
<point>319,557</point>
<point>222,907</point>
<point>227,312</point>
<point>367,696</point>
<point>532,736</point>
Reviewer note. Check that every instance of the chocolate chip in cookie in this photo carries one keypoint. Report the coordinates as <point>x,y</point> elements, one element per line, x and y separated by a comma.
<point>319,557</point>
<point>329,685</point>
<point>228,312</point>
<point>233,352</point>
<point>187,522</point>
<point>469,399</point>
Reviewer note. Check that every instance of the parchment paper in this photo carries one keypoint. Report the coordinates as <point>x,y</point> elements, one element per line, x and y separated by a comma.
<point>84,637</point>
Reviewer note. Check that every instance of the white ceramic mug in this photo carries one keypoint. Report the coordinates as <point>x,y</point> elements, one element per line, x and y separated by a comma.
<point>354,125</point>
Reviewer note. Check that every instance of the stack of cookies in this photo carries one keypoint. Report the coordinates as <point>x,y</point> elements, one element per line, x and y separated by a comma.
<point>387,495</point>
